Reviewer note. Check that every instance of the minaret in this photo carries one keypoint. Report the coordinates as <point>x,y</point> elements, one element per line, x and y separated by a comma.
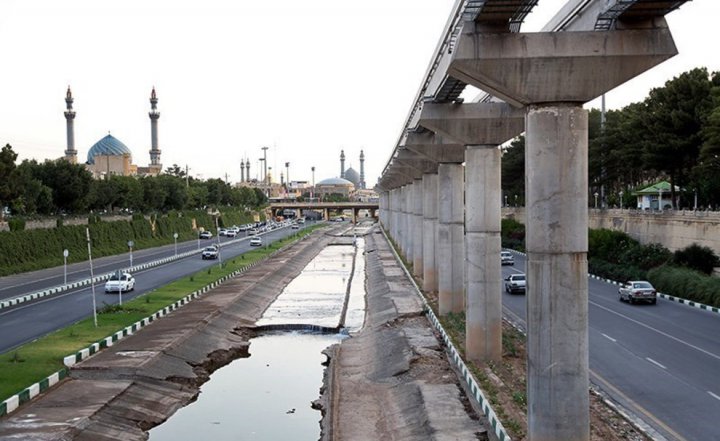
<point>342,164</point>
<point>242,170</point>
<point>154,116</point>
<point>70,153</point>
<point>247,166</point>
<point>362,170</point>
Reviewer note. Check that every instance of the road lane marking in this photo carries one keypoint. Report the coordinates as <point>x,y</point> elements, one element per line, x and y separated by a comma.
<point>637,408</point>
<point>708,353</point>
<point>609,338</point>
<point>717,397</point>
<point>655,363</point>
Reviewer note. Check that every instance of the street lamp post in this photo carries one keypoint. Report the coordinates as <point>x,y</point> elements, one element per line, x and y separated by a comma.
<point>621,200</point>
<point>660,201</point>
<point>695,204</point>
<point>92,276</point>
<point>66,253</point>
<point>506,200</point>
<point>175,236</point>
<point>198,238</point>
<point>131,244</point>
<point>516,201</point>
<point>596,199</point>
<point>312,190</point>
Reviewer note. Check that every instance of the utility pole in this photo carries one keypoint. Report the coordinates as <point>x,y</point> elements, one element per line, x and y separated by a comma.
<point>312,190</point>
<point>187,176</point>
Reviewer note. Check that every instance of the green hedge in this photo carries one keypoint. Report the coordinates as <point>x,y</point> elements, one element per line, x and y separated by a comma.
<point>27,250</point>
<point>686,283</point>
<point>512,234</point>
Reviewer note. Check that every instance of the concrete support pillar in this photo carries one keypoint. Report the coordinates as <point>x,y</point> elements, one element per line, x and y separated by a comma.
<point>394,200</point>
<point>556,147</point>
<point>483,314</point>
<point>402,224</point>
<point>450,240</point>
<point>430,217</point>
<point>407,224</point>
<point>417,232</point>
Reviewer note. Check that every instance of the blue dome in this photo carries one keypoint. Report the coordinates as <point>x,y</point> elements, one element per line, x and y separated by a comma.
<point>109,146</point>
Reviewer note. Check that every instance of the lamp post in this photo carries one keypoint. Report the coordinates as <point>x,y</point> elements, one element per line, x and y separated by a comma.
<point>312,190</point>
<point>175,236</point>
<point>621,199</point>
<point>516,201</point>
<point>506,200</point>
<point>660,203</point>
<point>264,159</point>
<point>92,276</point>
<point>66,253</point>
<point>287,177</point>
<point>596,196</point>
<point>695,204</point>
<point>131,244</point>
<point>198,238</point>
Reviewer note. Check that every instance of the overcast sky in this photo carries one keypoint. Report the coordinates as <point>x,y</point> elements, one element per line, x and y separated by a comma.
<point>306,78</point>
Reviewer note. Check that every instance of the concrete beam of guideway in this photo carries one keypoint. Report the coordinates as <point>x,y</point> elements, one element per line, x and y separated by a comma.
<point>546,67</point>
<point>553,74</point>
<point>435,148</point>
<point>473,123</point>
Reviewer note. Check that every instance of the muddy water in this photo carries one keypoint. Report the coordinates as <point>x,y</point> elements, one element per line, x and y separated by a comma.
<point>268,396</point>
<point>264,397</point>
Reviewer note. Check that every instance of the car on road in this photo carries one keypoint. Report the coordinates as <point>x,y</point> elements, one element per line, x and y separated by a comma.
<point>222,232</point>
<point>515,283</point>
<point>638,291</point>
<point>295,226</point>
<point>205,235</point>
<point>210,252</point>
<point>506,258</point>
<point>231,233</point>
<point>120,281</point>
<point>256,241</point>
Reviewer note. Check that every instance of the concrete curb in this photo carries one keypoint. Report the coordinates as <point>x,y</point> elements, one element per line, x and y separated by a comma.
<point>680,300</point>
<point>12,403</point>
<point>467,377</point>
<point>62,288</point>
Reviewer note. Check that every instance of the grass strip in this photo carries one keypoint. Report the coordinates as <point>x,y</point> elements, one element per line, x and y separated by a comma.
<point>32,362</point>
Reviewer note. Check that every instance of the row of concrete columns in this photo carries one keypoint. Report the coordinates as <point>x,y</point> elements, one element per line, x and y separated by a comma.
<point>547,76</point>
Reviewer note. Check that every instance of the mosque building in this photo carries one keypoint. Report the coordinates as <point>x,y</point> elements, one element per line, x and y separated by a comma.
<point>350,182</point>
<point>109,156</point>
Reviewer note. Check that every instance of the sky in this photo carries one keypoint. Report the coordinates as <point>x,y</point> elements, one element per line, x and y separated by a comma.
<point>305,78</point>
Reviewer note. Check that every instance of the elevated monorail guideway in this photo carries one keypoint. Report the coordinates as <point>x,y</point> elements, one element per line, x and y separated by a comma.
<point>544,78</point>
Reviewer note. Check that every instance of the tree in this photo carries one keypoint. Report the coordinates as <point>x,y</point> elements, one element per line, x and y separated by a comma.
<point>513,169</point>
<point>7,165</point>
<point>674,119</point>
<point>175,170</point>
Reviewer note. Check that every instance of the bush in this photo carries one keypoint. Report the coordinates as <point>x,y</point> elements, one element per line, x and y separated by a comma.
<point>646,256</point>
<point>615,271</point>
<point>609,245</point>
<point>697,257</point>
<point>512,234</point>
<point>16,224</point>
<point>686,283</point>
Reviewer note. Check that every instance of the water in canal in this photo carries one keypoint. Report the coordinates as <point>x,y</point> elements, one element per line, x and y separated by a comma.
<point>268,396</point>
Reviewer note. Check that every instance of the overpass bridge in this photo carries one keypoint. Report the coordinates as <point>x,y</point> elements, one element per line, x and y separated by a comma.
<point>440,194</point>
<point>277,208</point>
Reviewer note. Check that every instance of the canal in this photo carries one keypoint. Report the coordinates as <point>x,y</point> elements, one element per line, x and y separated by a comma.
<point>268,395</point>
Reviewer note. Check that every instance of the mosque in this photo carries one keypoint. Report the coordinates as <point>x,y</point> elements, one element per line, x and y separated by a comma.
<point>349,182</point>
<point>109,156</point>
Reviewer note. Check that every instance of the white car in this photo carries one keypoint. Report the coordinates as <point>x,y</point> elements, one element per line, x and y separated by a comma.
<point>506,258</point>
<point>256,241</point>
<point>231,233</point>
<point>120,281</point>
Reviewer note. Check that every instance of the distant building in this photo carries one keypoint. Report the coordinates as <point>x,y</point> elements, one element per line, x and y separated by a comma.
<point>358,179</point>
<point>656,196</point>
<point>339,186</point>
<point>110,156</point>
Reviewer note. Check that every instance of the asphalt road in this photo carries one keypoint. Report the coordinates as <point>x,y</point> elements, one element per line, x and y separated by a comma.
<point>34,281</point>
<point>661,362</point>
<point>28,321</point>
